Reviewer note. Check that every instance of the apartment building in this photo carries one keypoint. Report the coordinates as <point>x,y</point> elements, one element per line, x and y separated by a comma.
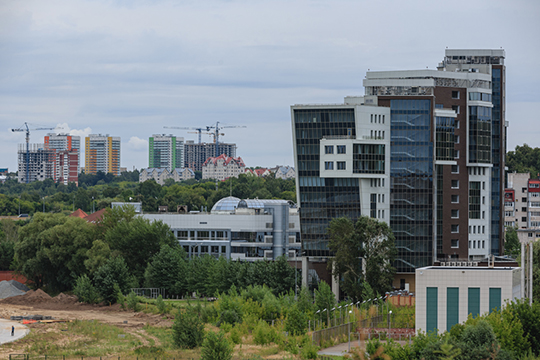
<point>102,153</point>
<point>37,162</point>
<point>61,142</point>
<point>165,151</point>
<point>222,167</point>
<point>160,175</point>
<point>522,201</point>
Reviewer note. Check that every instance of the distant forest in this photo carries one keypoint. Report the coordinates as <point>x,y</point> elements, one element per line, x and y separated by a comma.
<point>98,191</point>
<point>524,159</point>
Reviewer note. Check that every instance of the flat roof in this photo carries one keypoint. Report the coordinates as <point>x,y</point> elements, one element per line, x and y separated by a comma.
<point>468,268</point>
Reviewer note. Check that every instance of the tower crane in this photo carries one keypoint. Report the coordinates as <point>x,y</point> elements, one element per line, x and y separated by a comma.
<point>199,130</point>
<point>217,133</point>
<point>26,129</point>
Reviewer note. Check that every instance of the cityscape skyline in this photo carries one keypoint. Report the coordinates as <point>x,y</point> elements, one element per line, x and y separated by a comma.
<point>129,69</point>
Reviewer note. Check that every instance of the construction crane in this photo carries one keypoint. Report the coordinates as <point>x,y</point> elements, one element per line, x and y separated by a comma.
<point>217,133</point>
<point>27,129</point>
<point>199,130</point>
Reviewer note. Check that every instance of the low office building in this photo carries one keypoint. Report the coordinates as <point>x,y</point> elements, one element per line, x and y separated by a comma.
<point>247,230</point>
<point>446,295</point>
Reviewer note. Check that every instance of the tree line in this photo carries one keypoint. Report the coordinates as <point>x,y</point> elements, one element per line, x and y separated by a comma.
<point>98,191</point>
<point>55,250</point>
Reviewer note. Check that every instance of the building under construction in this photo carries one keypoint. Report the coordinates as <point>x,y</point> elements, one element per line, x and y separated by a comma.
<point>40,162</point>
<point>196,154</point>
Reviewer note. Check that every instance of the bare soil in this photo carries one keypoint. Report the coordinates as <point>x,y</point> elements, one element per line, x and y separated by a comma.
<point>67,307</point>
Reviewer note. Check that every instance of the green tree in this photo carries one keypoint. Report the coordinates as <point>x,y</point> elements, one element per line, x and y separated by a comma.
<point>85,290</point>
<point>138,241</point>
<point>168,270</point>
<point>216,347</point>
<point>324,299</point>
<point>368,241</point>
<point>114,273</point>
<point>188,330</point>
<point>296,322</point>
<point>512,246</point>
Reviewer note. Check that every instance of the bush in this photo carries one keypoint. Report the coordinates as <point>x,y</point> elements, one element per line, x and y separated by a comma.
<point>216,347</point>
<point>261,334</point>
<point>85,291</point>
<point>296,322</point>
<point>160,304</point>
<point>309,351</point>
<point>236,337</point>
<point>188,330</point>
<point>115,271</point>
<point>133,302</point>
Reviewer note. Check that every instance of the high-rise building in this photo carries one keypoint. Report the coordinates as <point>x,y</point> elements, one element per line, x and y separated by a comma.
<point>342,166</point>
<point>40,163</point>
<point>196,154</point>
<point>446,160</point>
<point>64,142</point>
<point>165,151</point>
<point>102,153</point>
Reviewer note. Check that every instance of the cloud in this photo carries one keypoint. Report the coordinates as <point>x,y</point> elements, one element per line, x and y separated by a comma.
<point>137,144</point>
<point>65,129</point>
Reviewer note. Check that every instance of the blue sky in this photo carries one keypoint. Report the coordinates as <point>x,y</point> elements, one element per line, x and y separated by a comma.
<point>129,68</point>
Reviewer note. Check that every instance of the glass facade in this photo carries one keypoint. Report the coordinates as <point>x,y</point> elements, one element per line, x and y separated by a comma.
<point>411,191</point>
<point>479,134</point>
<point>497,83</point>
<point>474,200</point>
<point>368,159</point>
<point>445,138</point>
<point>322,199</point>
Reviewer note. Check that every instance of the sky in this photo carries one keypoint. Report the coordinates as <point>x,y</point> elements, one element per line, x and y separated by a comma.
<point>129,68</point>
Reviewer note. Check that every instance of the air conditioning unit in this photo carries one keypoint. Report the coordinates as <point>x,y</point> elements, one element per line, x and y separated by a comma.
<point>292,239</point>
<point>292,254</point>
<point>268,254</point>
<point>443,263</point>
<point>470,263</point>
<point>269,239</point>
<point>453,263</point>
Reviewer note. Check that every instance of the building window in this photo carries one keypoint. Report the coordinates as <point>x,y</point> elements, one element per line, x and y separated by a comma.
<point>454,243</point>
<point>524,190</point>
<point>523,199</point>
<point>455,184</point>
<point>455,228</point>
<point>455,199</point>
<point>524,219</point>
<point>341,149</point>
<point>455,108</point>
<point>524,209</point>
<point>456,154</point>
<point>456,139</point>
<point>455,213</point>
<point>341,165</point>
<point>455,94</point>
<point>455,169</point>
<point>329,149</point>
<point>328,165</point>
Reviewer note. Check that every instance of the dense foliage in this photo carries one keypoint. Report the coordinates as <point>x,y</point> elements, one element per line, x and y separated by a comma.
<point>98,191</point>
<point>371,241</point>
<point>524,159</point>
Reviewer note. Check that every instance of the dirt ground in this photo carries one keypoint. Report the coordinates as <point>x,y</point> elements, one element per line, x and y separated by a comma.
<point>65,307</point>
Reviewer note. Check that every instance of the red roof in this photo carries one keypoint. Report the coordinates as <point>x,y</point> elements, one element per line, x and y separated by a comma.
<point>96,217</point>
<point>260,171</point>
<point>226,160</point>
<point>79,213</point>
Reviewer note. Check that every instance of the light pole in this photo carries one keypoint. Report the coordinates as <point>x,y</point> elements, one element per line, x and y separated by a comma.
<point>19,205</point>
<point>389,319</point>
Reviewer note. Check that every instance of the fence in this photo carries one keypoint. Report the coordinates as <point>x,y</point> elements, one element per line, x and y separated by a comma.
<point>398,327</point>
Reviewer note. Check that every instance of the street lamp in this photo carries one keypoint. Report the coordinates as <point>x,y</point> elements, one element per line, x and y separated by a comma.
<point>19,205</point>
<point>389,318</point>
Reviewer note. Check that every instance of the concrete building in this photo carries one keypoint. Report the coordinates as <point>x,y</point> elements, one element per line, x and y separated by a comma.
<point>247,230</point>
<point>165,151</point>
<point>62,142</point>
<point>196,154</point>
<point>522,201</point>
<point>102,153</point>
<point>66,166</point>
<point>446,295</point>
<point>160,175</point>
<point>40,163</point>
<point>443,160</point>
<point>222,167</point>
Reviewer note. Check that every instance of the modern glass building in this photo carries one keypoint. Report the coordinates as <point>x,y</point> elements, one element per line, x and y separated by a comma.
<point>446,160</point>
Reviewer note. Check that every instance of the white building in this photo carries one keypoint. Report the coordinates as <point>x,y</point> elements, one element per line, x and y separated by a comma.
<point>165,151</point>
<point>222,167</point>
<point>284,172</point>
<point>247,230</point>
<point>445,296</point>
<point>160,175</point>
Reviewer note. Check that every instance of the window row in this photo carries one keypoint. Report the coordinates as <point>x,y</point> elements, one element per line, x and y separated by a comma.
<point>329,165</point>
<point>472,244</point>
<point>329,149</point>
<point>473,227</point>
<point>374,118</point>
